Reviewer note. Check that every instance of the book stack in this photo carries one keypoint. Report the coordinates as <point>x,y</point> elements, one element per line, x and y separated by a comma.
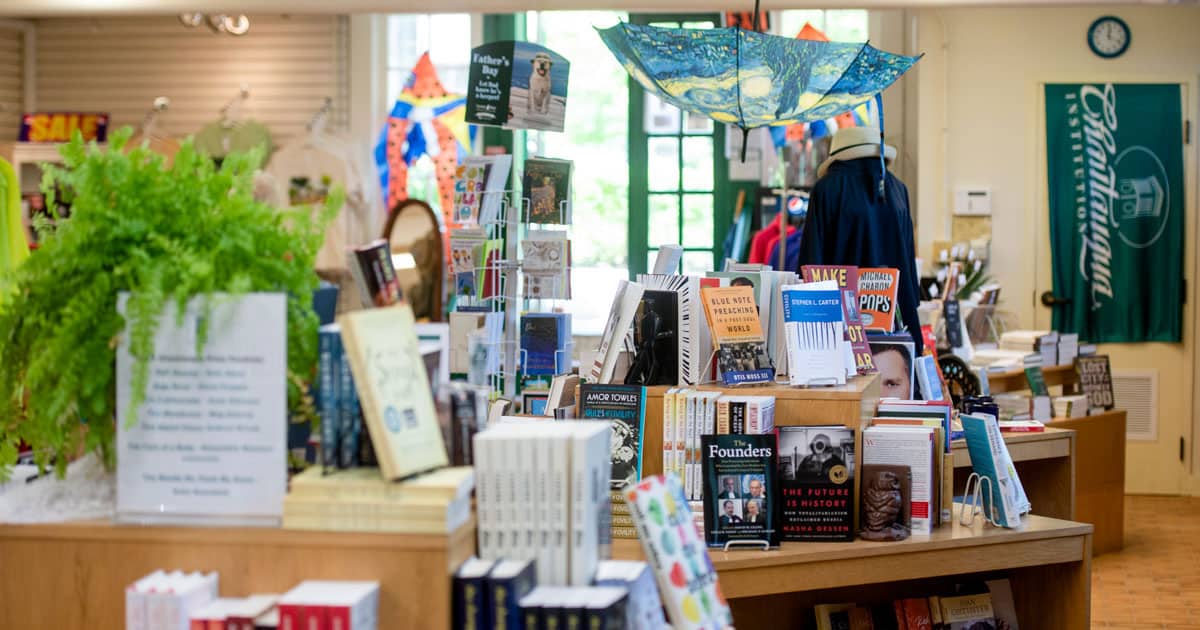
<point>337,402</point>
<point>543,496</point>
<point>592,607</point>
<point>689,414</point>
<point>330,605</point>
<point>919,449</point>
<point>643,609</point>
<point>361,500</point>
<point>970,607</point>
<point>236,613</point>
<point>167,600</point>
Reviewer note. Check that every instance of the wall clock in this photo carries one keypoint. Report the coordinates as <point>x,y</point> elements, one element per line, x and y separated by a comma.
<point>1109,37</point>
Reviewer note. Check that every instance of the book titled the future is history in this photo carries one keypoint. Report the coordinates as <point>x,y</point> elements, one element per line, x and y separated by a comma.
<point>749,512</point>
<point>816,476</point>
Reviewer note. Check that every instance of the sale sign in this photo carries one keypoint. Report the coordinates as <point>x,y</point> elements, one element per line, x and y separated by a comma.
<point>60,126</point>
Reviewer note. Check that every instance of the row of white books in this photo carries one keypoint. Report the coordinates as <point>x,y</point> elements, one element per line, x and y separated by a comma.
<point>190,601</point>
<point>543,495</point>
<point>689,414</point>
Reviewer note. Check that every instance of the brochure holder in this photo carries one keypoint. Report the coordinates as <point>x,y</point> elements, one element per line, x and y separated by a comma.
<point>751,544</point>
<point>973,501</point>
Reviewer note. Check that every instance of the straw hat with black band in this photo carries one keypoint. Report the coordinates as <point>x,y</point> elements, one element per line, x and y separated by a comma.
<point>853,143</point>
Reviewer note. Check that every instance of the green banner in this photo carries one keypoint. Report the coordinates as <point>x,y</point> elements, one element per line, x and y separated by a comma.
<point>1115,162</point>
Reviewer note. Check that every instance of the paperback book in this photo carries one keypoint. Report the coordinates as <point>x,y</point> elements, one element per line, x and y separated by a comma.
<point>547,183</point>
<point>625,407</point>
<point>371,266</point>
<point>1095,379</point>
<point>877,288</point>
<point>846,277</point>
<point>816,472</point>
<point>389,370</point>
<point>677,553</point>
<point>738,333</point>
<point>752,463</point>
<point>815,328</point>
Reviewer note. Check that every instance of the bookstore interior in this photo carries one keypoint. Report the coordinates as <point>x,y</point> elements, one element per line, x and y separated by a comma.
<point>601,317</point>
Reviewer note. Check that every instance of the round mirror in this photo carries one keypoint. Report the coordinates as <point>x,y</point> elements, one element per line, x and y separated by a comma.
<point>415,238</point>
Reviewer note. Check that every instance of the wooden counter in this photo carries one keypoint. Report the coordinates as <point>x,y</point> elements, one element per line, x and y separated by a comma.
<point>74,575</point>
<point>1046,464</point>
<point>1047,560</point>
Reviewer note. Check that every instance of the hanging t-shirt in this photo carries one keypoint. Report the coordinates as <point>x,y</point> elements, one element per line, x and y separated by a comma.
<point>305,172</point>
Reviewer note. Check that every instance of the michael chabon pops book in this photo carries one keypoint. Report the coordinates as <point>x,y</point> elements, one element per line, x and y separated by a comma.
<point>389,371</point>
<point>738,333</point>
<point>750,461</point>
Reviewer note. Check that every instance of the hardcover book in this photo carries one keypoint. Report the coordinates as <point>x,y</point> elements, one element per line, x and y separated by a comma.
<point>470,609</point>
<point>846,277</point>
<point>752,461</point>
<point>329,391</point>
<point>674,549</point>
<point>548,190</point>
<point>815,329</point>
<point>895,360</point>
<point>877,288</point>
<point>657,346</point>
<point>816,473</point>
<point>968,612</point>
<point>625,407</point>
<point>508,582</point>
<point>914,447</point>
<point>738,333</point>
<point>371,266</point>
<point>398,405</point>
<point>1095,379</point>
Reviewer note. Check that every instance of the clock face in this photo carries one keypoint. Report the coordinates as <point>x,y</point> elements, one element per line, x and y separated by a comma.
<point>1108,37</point>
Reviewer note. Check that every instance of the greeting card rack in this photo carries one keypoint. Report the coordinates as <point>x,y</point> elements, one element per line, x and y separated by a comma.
<point>508,274</point>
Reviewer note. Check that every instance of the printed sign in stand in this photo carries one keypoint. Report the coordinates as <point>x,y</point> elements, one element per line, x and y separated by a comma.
<point>208,444</point>
<point>517,85</point>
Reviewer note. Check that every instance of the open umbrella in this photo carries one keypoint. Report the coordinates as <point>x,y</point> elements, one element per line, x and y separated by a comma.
<point>753,79</point>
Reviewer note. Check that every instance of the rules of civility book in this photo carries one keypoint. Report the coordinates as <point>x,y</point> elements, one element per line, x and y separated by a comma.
<point>397,402</point>
<point>816,476</point>
<point>737,330</point>
<point>751,511</point>
<point>625,407</point>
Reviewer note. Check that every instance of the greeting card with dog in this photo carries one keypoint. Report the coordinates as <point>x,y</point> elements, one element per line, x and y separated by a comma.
<point>517,85</point>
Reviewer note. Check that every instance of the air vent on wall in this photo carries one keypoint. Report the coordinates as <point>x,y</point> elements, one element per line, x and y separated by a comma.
<point>1136,391</point>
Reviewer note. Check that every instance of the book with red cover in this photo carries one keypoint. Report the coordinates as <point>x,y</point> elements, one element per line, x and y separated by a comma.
<point>916,614</point>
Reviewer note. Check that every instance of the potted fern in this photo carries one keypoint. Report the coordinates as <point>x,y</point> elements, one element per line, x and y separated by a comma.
<point>162,232</point>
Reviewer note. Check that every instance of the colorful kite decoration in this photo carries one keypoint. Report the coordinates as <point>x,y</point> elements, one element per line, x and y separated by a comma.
<point>426,120</point>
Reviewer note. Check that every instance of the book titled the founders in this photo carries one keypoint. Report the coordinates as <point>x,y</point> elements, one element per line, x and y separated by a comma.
<point>750,511</point>
<point>816,476</point>
<point>625,406</point>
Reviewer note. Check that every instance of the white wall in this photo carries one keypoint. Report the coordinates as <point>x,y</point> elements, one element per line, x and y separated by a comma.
<point>120,65</point>
<point>979,126</point>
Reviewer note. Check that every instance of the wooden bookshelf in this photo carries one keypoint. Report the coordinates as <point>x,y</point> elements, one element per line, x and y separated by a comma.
<point>1046,464</point>
<point>1099,457</point>
<point>74,575</point>
<point>1047,560</point>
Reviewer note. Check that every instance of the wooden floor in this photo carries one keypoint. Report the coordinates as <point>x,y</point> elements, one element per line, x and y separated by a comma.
<point>1154,582</point>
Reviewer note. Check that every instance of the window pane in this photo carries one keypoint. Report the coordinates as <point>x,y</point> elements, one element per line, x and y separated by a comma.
<point>697,262</point>
<point>697,220</point>
<point>703,24</point>
<point>651,258</point>
<point>846,26</point>
<point>665,24</point>
<point>660,117</point>
<point>698,163</point>
<point>663,228</point>
<point>790,22</point>
<point>663,167</point>
<point>697,123</point>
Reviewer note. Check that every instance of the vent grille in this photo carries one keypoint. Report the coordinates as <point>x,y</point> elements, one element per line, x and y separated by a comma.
<point>1136,391</point>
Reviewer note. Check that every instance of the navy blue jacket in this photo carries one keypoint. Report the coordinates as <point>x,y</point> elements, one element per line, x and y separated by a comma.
<point>849,224</point>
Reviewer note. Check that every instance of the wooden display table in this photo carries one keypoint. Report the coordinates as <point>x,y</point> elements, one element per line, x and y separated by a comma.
<point>1046,464</point>
<point>74,575</point>
<point>1099,458</point>
<point>1047,560</point>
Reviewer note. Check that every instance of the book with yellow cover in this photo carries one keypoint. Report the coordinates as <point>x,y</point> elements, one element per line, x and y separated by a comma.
<point>397,400</point>
<point>737,331</point>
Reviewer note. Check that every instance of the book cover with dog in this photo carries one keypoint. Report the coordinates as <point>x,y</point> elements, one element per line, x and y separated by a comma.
<point>517,85</point>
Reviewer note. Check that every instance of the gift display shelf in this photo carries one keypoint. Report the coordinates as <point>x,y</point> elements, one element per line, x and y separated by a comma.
<point>73,575</point>
<point>1048,562</point>
<point>1099,457</point>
